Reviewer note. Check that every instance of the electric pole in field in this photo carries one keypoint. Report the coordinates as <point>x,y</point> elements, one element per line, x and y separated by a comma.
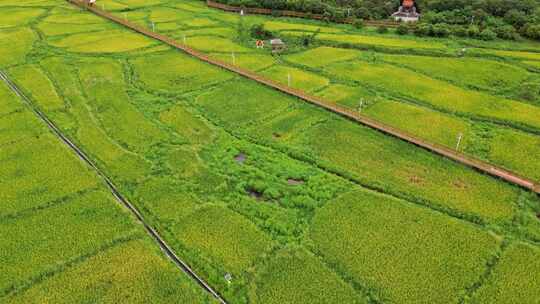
<point>289,79</point>
<point>361,105</point>
<point>460,137</point>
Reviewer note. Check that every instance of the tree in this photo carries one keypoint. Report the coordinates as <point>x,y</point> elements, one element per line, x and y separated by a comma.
<point>488,34</point>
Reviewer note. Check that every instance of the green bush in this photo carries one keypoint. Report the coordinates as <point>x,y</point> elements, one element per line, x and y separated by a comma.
<point>382,29</point>
<point>441,30</point>
<point>259,32</point>
<point>402,29</point>
<point>488,34</point>
<point>473,31</point>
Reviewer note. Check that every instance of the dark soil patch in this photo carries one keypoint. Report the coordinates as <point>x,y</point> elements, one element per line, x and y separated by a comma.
<point>255,194</point>
<point>295,182</point>
<point>276,135</point>
<point>538,216</point>
<point>461,185</point>
<point>240,158</point>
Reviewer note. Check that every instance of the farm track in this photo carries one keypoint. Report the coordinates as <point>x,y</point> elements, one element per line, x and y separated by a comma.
<point>474,163</point>
<point>115,192</point>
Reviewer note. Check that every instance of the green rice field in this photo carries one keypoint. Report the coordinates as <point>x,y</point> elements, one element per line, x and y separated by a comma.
<point>267,199</point>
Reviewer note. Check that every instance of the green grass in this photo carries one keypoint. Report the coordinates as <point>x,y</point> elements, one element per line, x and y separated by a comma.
<point>252,61</point>
<point>380,41</point>
<point>103,83</point>
<point>123,164</point>
<point>360,153</point>
<point>112,41</point>
<point>223,32</point>
<point>322,56</point>
<point>433,126</point>
<point>300,79</point>
<point>15,45</point>
<point>296,276</point>
<point>9,101</point>
<point>287,126</point>
<point>131,271</point>
<point>200,22</point>
<point>485,74</point>
<point>516,151</point>
<point>91,220</point>
<point>348,96</point>
<point>511,54</point>
<point>402,253</point>
<point>438,93</point>
<point>288,26</point>
<point>165,14</point>
<point>39,87</point>
<point>12,17</point>
<point>535,64</point>
<point>187,125</point>
<point>175,72</point>
<point>27,186</point>
<point>251,102</point>
<point>213,44</point>
<point>514,279</point>
<point>219,234</point>
<point>67,14</point>
<point>13,129</point>
<point>166,129</point>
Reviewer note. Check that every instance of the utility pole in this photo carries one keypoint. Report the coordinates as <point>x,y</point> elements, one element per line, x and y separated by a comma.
<point>289,79</point>
<point>361,105</point>
<point>184,39</point>
<point>153,27</point>
<point>460,137</point>
<point>233,58</point>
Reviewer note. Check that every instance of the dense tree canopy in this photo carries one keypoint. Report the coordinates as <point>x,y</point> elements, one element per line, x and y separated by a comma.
<point>507,19</point>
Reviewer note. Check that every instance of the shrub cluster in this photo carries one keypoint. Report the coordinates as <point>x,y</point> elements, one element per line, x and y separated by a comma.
<point>481,19</point>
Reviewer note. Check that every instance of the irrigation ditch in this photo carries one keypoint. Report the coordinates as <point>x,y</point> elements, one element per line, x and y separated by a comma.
<point>167,250</point>
<point>477,164</point>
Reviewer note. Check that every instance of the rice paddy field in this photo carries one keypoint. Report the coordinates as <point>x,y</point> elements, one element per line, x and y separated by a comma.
<point>267,198</point>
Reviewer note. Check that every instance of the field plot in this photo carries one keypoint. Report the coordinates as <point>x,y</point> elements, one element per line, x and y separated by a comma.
<point>439,94</point>
<point>15,45</point>
<point>484,74</point>
<point>513,278</point>
<point>267,198</point>
<point>63,224</point>
<point>363,234</point>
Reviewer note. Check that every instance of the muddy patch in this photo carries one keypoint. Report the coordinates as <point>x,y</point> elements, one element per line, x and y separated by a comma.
<point>460,184</point>
<point>240,158</point>
<point>295,182</point>
<point>255,194</point>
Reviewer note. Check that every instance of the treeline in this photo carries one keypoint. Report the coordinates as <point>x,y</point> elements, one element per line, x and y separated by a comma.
<point>483,19</point>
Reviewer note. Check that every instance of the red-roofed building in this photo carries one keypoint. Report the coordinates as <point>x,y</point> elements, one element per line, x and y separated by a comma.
<point>407,12</point>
